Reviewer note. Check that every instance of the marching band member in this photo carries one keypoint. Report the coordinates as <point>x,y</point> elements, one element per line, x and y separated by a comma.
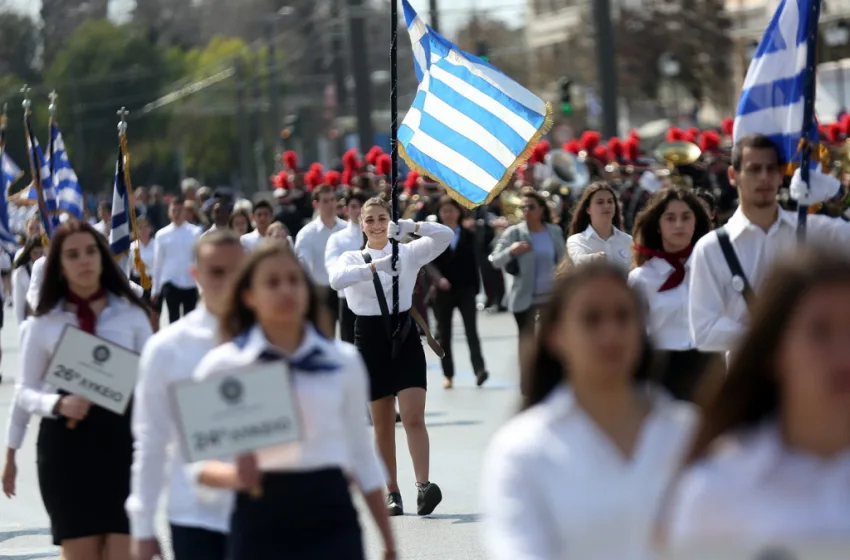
<point>198,526</point>
<point>581,472</point>
<point>82,287</point>
<point>529,251</point>
<point>594,232</point>
<point>348,239</point>
<point>457,286</point>
<point>396,367</point>
<point>728,264</point>
<point>32,251</point>
<point>771,460</point>
<point>275,313</point>
<point>173,255</point>
<point>312,240</point>
<point>665,233</point>
<point>263,217</point>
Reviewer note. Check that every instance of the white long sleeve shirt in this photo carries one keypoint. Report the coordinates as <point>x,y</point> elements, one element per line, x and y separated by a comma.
<point>37,277</point>
<point>753,489</point>
<point>717,311</point>
<point>251,240</point>
<point>348,239</point>
<point>170,356</point>
<point>331,405</point>
<point>310,245</point>
<point>667,321</point>
<point>120,322</point>
<point>352,275</point>
<point>555,487</point>
<point>174,255</point>
<point>617,248</point>
<point>20,287</point>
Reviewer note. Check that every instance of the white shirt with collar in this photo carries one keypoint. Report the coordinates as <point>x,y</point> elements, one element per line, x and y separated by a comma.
<point>37,278</point>
<point>667,321</point>
<point>174,255</point>
<point>103,228</point>
<point>170,356</point>
<point>120,322</point>
<point>251,240</point>
<point>310,245</point>
<point>352,275</point>
<point>717,312</point>
<point>331,405</point>
<point>348,239</point>
<point>555,487</point>
<point>617,248</point>
<point>753,489</point>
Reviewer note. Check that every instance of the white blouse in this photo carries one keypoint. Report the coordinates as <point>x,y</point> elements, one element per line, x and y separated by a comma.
<point>174,254</point>
<point>352,275</point>
<point>554,487</point>
<point>20,287</point>
<point>120,322</point>
<point>754,489</point>
<point>147,253</point>
<point>667,321</point>
<point>332,408</point>
<point>617,248</point>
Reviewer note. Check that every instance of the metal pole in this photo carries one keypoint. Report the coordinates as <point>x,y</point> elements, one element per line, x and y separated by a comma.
<point>274,87</point>
<point>244,132</point>
<point>435,15</point>
<point>394,148</point>
<point>606,65</point>
<point>362,75</point>
<point>809,92</point>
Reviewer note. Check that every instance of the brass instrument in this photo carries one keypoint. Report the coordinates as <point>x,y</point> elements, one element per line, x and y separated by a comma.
<point>675,155</point>
<point>511,203</point>
<point>569,170</point>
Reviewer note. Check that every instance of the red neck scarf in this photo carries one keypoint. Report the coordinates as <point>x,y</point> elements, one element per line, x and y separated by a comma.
<point>85,314</point>
<point>676,260</point>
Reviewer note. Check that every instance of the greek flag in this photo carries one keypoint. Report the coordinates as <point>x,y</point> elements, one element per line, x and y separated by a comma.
<point>10,174</point>
<point>49,214</point>
<point>470,126</point>
<point>119,235</point>
<point>69,194</point>
<point>774,94</point>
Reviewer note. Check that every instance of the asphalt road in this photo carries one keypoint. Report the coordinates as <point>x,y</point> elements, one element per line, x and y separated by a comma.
<point>460,421</point>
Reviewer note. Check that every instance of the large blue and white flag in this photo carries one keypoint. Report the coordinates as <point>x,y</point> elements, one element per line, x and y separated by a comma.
<point>119,235</point>
<point>773,98</point>
<point>69,194</point>
<point>10,173</point>
<point>470,126</point>
<point>49,213</point>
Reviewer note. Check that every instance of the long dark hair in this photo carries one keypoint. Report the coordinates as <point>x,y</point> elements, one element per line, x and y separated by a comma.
<point>239,317</point>
<point>24,257</point>
<point>749,393</point>
<point>647,232</point>
<point>581,219</point>
<point>55,285</point>
<point>542,371</point>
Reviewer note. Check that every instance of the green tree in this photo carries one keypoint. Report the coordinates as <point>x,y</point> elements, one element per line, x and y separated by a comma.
<point>19,47</point>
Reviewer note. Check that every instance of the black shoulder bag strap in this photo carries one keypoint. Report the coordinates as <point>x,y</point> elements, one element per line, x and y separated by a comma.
<point>734,264</point>
<point>379,292</point>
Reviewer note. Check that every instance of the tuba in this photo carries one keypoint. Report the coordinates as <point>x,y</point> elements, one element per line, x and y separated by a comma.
<point>511,203</point>
<point>675,155</point>
<point>569,170</point>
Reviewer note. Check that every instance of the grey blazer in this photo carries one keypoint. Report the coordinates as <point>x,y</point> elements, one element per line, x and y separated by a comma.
<point>522,288</point>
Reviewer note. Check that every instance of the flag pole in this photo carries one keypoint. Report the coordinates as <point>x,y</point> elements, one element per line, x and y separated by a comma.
<point>394,149</point>
<point>808,109</point>
<point>124,162</point>
<point>51,110</point>
<point>35,167</point>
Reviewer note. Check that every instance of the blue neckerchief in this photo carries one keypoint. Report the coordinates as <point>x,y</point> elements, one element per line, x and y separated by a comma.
<point>314,362</point>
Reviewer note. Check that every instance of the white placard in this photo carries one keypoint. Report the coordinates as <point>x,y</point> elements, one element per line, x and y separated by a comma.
<point>94,368</point>
<point>243,411</point>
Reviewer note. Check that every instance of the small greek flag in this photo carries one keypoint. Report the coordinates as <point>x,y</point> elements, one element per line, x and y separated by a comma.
<point>10,174</point>
<point>49,214</point>
<point>470,126</point>
<point>119,235</point>
<point>774,94</point>
<point>69,194</point>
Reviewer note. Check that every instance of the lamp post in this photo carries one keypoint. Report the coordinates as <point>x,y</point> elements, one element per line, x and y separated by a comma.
<point>836,37</point>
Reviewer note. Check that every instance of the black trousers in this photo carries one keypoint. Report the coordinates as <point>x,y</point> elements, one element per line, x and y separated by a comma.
<point>525,319</point>
<point>346,322</point>
<point>684,372</point>
<point>332,301</point>
<point>194,543</point>
<point>180,301</point>
<point>444,303</point>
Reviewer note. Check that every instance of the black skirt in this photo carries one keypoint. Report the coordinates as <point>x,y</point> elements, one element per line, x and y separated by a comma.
<point>300,516</point>
<point>84,474</point>
<point>388,374</point>
<point>685,370</point>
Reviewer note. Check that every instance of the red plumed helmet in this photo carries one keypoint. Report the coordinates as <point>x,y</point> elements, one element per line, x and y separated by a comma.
<point>675,134</point>
<point>615,149</point>
<point>383,165</point>
<point>290,160</point>
<point>350,161</point>
<point>634,134</point>
<point>572,147</point>
<point>347,177</point>
<point>589,140</point>
<point>601,154</point>
<point>845,124</point>
<point>313,179</point>
<point>631,149</point>
<point>373,154</point>
<point>543,147</point>
<point>317,168</point>
<point>281,180</point>
<point>833,133</point>
<point>333,178</point>
<point>727,126</point>
<point>411,180</point>
<point>709,141</point>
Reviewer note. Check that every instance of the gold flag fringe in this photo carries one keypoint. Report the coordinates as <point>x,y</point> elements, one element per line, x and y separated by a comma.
<point>144,278</point>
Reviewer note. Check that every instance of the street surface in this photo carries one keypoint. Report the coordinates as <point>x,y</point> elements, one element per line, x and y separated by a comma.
<point>460,422</point>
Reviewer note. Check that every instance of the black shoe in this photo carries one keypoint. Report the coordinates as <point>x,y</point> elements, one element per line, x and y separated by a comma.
<point>481,377</point>
<point>397,417</point>
<point>394,505</point>
<point>428,499</point>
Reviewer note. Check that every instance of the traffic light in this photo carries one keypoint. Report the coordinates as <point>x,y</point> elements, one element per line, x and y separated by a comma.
<point>566,89</point>
<point>482,50</point>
